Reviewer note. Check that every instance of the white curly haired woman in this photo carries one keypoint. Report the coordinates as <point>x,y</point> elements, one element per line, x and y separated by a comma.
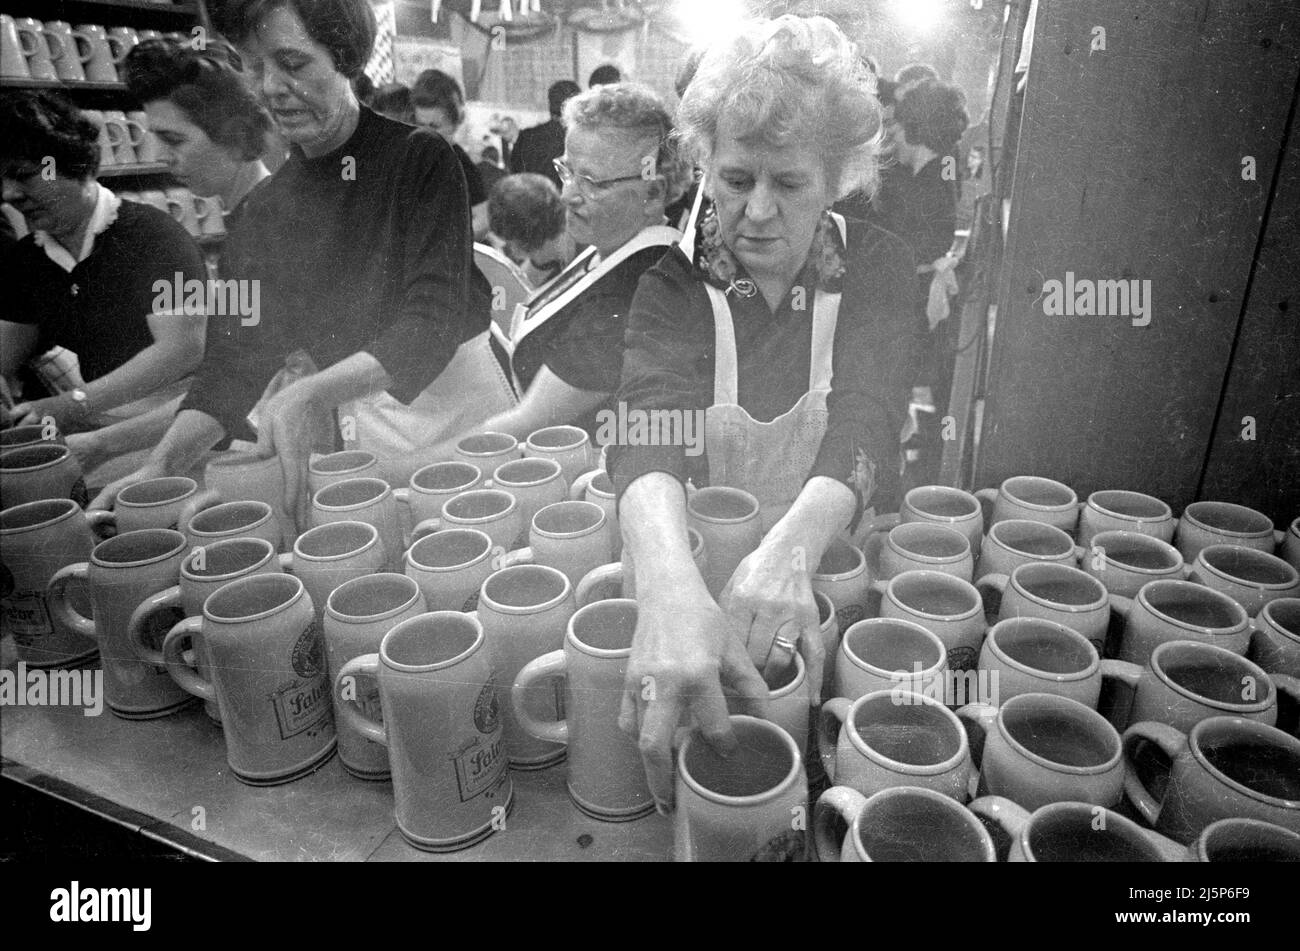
<point>790,329</point>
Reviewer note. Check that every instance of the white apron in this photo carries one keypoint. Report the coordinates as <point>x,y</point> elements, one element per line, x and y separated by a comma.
<point>582,273</point>
<point>769,460</point>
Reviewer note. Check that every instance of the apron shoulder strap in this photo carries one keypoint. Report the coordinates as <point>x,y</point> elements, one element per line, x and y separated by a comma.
<point>826,309</point>
<point>688,229</point>
<point>726,387</point>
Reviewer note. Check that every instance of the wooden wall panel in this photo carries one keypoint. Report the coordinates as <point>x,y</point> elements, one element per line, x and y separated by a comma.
<point>1129,167</point>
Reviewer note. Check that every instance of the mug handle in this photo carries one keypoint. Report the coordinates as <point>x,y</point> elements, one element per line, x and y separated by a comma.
<point>27,33</point>
<point>135,630</point>
<point>1002,818</point>
<point>82,41</point>
<point>839,802</point>
<point>581,484</point>
<point>828,733</point>
<point>57,596</point>
<point>986,498</point>
<point>366,665</point>
<point>1170,741</point>
<point>186,677</point>
<point>520,556</point>
<point>546,667</point>
<point>594,578</point>
<point>101,519</point>
<point>285,559</point>
<point>54,43</point>
<point>122,48</point>
<point>992,583</point>
<point>1125,676</point>
<point>138,138</point>
<point>873,545</point>
<point>1121,605</point>
<point>200,502</point>
<point>978,719</point>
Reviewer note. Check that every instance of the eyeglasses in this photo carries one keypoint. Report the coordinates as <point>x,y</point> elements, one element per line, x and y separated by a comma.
<point>587,185</point>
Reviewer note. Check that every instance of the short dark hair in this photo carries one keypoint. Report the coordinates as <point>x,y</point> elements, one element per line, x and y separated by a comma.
<point>932,114</point>
<point>560,93</point>
<point>207,85</point>
<point>915,72</point>
<point>394,100</point>
<point>346,28</point>
<point>35,125</point>
<point>526,210</point>
<point>604,74</point>
<point>434,89</point>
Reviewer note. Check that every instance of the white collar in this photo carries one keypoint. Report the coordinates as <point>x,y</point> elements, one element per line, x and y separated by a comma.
<point>105,213</point>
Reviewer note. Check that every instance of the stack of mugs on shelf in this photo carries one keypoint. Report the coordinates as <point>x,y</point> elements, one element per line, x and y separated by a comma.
<point>198,214</point>
<point>1010,663</point>
<point>56,51</point>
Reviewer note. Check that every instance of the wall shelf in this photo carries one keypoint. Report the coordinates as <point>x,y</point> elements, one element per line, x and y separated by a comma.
<point>133,170</point>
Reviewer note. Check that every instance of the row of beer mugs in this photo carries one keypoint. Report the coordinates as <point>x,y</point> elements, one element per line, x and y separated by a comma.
<point>58,51</point>
<point>199,215</point>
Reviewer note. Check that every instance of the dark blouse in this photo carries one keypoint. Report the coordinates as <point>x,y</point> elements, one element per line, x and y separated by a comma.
<point>473,177</point>
<point>367,248</point>
<point>669,361</point>
<point>99,311</point>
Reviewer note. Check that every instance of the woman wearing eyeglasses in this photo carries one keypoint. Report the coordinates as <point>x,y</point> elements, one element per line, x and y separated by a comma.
<point>790,331</point>
<point>620,169</point>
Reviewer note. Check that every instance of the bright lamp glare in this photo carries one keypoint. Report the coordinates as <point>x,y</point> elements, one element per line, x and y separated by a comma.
<point>919,16</point>
<point>704,20</point>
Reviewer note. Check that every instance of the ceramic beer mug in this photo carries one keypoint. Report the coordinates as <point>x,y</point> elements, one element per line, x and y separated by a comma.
<point>358,615</point>
<point>1250,577</point>
<point>1223,523</point>
<point>525,611</point>
<point>203,571</point>
<point>69,50</point>
<point>787,700</point>
<point>337,466</point>
<point>37,539</point>
<point>268,677</point>
<point>367,500</point>
<point>1052,592</point>
<point>616,581</point>
<point>914,546</point>
<point>44,471</point>
<point>154,503</point>
<point>183,207</point>
<point>1039,748</point>
<point>488,450</point>
<point>902,824</point>
<point>1224,767</point>
<point>1033,498</point>
<point>331,554</point>
<point>570,446</point>
<point>105,53</point>
<point>536,483</point>
<point>1188,681</point>
<point>1290,548</point>
<point>948,606</point>
<point>1178,611</point>
<point>1124,561</point>
<point>442,727</point>
<point>596,486</point>
<point>842,576</point>
<point>1008,545</point>
<point>606,777</point>
<point>1275,643</point>
<point>494,512</point>
<point>750,806</point>
<point>33,435</point>
<point>1071,832</point>
<point>13,62</point>
<point>450,567</point>
<point>122,572</point>
<point>1245,840</point>
<point>940,505</point>
<point>728,521</point>
<point>109,138</point>
<point>229,520</point>
<point>894,738</point>
<point>36,49</point>
<point>149,150</point>
<point>570,536</point>
<point>239,476</point>
<point>887,654</point>
<point>1033,655</point>
<point>1115,510</point>
<point>433,485</point>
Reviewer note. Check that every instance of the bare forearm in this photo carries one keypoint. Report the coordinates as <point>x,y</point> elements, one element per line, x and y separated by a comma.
<point>138,432</point>
<point>351,378</point>
<point>652,515</point>
<point>822,510</point>
<point>191,434</point>
<point>152,368</point>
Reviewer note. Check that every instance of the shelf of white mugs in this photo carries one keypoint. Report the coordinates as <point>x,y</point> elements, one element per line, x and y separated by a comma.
<point>68,55</point>
<point>201,217</point>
